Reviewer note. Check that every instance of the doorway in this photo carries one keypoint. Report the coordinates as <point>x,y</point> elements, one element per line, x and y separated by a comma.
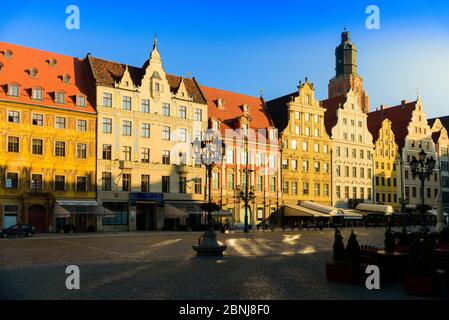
<point>37,216</point>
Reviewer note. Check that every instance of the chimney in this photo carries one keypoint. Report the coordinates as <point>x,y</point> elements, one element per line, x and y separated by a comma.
<point>403,102</point>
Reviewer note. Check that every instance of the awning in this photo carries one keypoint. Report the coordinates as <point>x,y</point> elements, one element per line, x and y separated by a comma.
<point>60,212</point>
<point>82,207</point>
<point>222,213</point>
<point>298,211</point>
<point>352,215</point>
<point>173,212</point>
<point>375,208</point>
<point>327,210</point>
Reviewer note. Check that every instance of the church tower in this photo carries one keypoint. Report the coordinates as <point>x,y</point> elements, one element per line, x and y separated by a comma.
<point>346,77</point>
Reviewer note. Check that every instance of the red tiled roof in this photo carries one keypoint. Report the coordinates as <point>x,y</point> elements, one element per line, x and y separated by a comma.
<point>49,78</point>
<point>108,72</point>
<point>400,117</point>
<point>233,103</point>
<point>330,115</point>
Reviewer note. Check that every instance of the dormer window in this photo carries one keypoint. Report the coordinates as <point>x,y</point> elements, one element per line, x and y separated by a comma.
<point>52,62</point>
<point>33,73</point>
<point>245,108</point>
<point>60,97</point>
<point>80,101</point>
<point>66,78</point>
<point>220,103</point>
<point>215,125</point>
<point>13,90</point>
<point>36,94</point>
<point>8,54</point>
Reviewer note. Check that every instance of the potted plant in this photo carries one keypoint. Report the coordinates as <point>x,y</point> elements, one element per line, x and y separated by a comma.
<point>421,278</point>
<point>390,242</point>
<point>443,242</point>
<point>345,267</point>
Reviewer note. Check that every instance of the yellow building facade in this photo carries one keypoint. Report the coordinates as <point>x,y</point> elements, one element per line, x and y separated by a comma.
<point>306,147</point>
<point>386,167</point>
<point>47,139</point>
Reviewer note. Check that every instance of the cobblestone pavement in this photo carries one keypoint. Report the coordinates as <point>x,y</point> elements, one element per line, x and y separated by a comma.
<point>259,265</point>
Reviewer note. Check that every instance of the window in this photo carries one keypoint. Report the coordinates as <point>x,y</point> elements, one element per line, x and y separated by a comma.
<point>346,192</point>
<point>362,193</point>
<point>145,155</point>
<point>166,133</point>
<point>362,154</point>
<point>127,153</point>
<point>12,180</point>
<point>305,188</point>
<point>294,144</point>
<point>245,129</point>
<point>127,127</point>
<point>338,192</point>
<point>13,144</point>
<point>60,97</point>
<point>37,146</point>
<point>337,151</point>
<point>215,125</point>
<point>305,146</point>
<point>297,115</point>
<point>182,184</point>
<point>297,130</point>
<point>316,118</point>
<point>198,114</point>
<point>259,159</point>
<point>294,165</point>
<point>346,171</point>
<point>36,182</point>
<point>145,106</point>
<point>156,87</point>
<point>326,167</point>
<point>80,101</point>
<point>14,116</point>
<point>294,188</point>
<point>36,94</point>
<point>272,184</point>
<point>285,187</point>
<point>81,125</point>
<point>126,103</point>
<point>362,173</point>
<point>59,183</point>
<point>369,173</point>
<point>182,112</point>
<point>215,180</point>
<point>317,189</point>
<point>166,184</point>
<point>107,100</point>
<point>121,213</point>
<point>316,148</point>
<point>182,135</point>
<point>106,181</point>
<point>259,183</point>
<point>308,131</point>
<point>338,171</point>
<point>354,153</point>
<point>325,149</point>
<point>317,167</point>
<point>145,130</point>
<point>305,166</point>
<point>60,123</point>
<point>145,183</point>
<point>166,109</point>
<point>326,190</point>
<point>285,164</point>
<point>307,117</point>
<point>81,150</point>
<point>60,149</point>
<point>107,125</point>
<point>126,182</point>
<point>165,157</point>
<point>13,90</point>
<point>107,152</point>
<point>354,172</point>
<point>197,185</point>
<point>231,181</point>
<point>316,132</point>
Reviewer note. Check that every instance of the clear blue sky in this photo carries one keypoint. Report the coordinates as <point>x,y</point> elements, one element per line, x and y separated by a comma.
<point>244,46</point>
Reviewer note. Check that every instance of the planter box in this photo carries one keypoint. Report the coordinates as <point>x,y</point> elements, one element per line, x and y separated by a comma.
<point>420,286</point>
<point>343,274</point>
<point>443,246</point>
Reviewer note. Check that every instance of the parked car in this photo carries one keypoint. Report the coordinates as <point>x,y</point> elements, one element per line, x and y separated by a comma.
<point>18,230</point>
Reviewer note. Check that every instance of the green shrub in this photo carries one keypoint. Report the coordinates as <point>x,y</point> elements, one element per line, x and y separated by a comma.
<point>390,243</point>
<point>339,247</point>
<point>353,249</point>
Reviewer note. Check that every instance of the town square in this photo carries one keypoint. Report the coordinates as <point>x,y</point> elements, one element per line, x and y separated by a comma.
<point>224,151</point>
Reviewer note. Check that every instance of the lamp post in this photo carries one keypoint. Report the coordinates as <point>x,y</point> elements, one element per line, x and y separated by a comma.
<point>209,153</point>
<point>246,194</point>
<point>422,168</point>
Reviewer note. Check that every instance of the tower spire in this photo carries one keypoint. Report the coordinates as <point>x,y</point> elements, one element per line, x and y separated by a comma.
<point>155,41</point>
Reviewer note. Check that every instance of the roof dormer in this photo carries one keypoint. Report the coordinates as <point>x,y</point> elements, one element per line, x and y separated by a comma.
<point>33,73</point>
<point>53,62</point>
<point>221,103</point>
<point>245,108</point>
<point>66,78</point>
<point>8,54</point>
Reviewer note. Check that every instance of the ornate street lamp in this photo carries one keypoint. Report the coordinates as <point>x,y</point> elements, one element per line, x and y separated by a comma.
<point>209,152</point>
<point>247,197</point>
<point>422,168</point>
